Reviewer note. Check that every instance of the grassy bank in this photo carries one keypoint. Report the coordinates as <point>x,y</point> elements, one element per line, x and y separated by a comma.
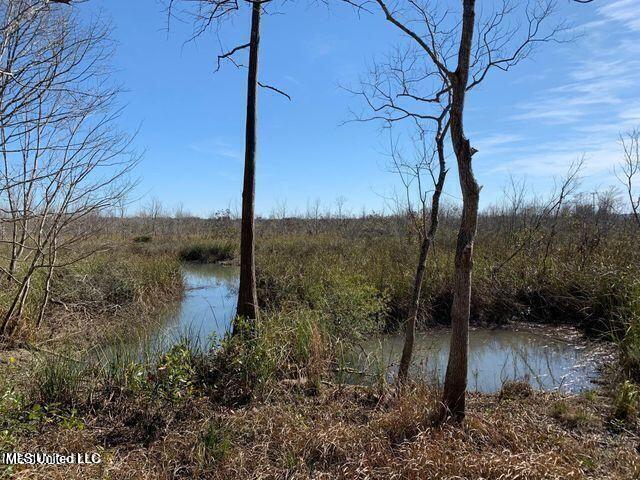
<point>582,274</point>
<point>270,409</point>
<point>600,296</point>
<point>208,252</point>
<point>280,404</point>
<point>359,275</point>
<point>112,291</point>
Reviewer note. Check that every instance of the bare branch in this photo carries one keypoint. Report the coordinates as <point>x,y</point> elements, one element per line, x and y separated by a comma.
<point>277,90</point>
<point>230,53</point>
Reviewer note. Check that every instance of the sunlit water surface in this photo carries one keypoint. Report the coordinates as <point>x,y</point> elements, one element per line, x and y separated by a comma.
<point>208,305</point>
<point>547,359</point>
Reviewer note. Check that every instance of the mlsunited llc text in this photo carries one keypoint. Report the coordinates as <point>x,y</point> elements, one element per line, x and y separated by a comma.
<point>43,458</point>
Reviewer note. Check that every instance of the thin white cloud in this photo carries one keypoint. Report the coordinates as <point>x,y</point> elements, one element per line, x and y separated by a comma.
<point>547,162</point>
<point>496,143</point>
<point>293,80</point>
<point>552,111</point>
<point>630,116</point>
<point>320,47</point>
<point>597,86</point>
<point>217,146</point>
<point>622,11</point>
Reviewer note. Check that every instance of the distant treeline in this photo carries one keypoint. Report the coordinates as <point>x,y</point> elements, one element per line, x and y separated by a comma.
<point>596,217</point>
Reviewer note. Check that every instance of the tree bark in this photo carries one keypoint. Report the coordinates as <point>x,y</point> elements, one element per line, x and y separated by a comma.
<point>455,384</point>
<point>410,328</point>
<point>247,294</point>
<point>53,254</point>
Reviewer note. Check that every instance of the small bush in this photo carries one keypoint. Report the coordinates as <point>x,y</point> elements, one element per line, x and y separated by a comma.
<point>142,239</point>
<point>175,374</point>
<point>353,306</point>
<point>56,379</point>
<point>513,389</point>
<point>209,252</point>
<point>626,401</point>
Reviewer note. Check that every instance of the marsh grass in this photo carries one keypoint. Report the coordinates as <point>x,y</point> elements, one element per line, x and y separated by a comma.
<point>278,400</point>
<point>91,298</point>
<point>598,297</point>
<point>56,379</point>
<point>211,251</point>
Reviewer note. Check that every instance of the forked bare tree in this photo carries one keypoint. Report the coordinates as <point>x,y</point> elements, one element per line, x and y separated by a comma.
<point>629,171</point>
<point>64,161</point>
<point>387,88</point>
<point>463,49</point>
<point>424,217</point>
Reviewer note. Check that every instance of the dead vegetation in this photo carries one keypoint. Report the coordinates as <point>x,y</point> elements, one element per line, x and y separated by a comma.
<point>346,432</point>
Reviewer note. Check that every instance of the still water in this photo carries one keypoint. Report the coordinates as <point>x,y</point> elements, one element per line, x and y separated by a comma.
<point>208,305</point>
<point>547,359</point>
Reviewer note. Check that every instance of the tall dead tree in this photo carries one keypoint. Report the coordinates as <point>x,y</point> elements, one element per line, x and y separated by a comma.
<point>463,49</point>
<point>247,293</point>
<point>213,13</point>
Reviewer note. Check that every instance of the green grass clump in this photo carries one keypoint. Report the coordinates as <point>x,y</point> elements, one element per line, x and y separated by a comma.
<point>56,379</point>
<point>296,345</point>
<point>215,443</point>
<point>208,252</point>
<point>570,415</point>
<point>142,239</point>
<point>626,401</point>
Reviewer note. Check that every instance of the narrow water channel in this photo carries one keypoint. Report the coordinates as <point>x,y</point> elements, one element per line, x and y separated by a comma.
<point>547,359</point>
<point>208,305</point>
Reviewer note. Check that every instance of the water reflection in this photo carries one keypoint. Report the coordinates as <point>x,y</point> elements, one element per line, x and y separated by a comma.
<point>495,355</point>
<point>208,305</point>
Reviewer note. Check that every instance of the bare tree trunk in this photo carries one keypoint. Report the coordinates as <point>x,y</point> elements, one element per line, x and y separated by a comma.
<point>23,299</point>
<point>455,384</point>
<point>635,205</point>
<point>18,301</point>
<point>53,253</point>
<point>247,294</point>
<point>410,328</point>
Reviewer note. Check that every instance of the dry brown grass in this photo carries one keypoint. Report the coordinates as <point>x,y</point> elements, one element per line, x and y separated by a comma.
<point>346,433</point>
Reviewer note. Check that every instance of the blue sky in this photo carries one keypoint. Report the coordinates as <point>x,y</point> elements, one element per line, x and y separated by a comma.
<point>567,101</point>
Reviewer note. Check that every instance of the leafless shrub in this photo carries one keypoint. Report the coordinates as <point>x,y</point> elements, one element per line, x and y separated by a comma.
<point>64,161</point>
<point>629,170</point>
